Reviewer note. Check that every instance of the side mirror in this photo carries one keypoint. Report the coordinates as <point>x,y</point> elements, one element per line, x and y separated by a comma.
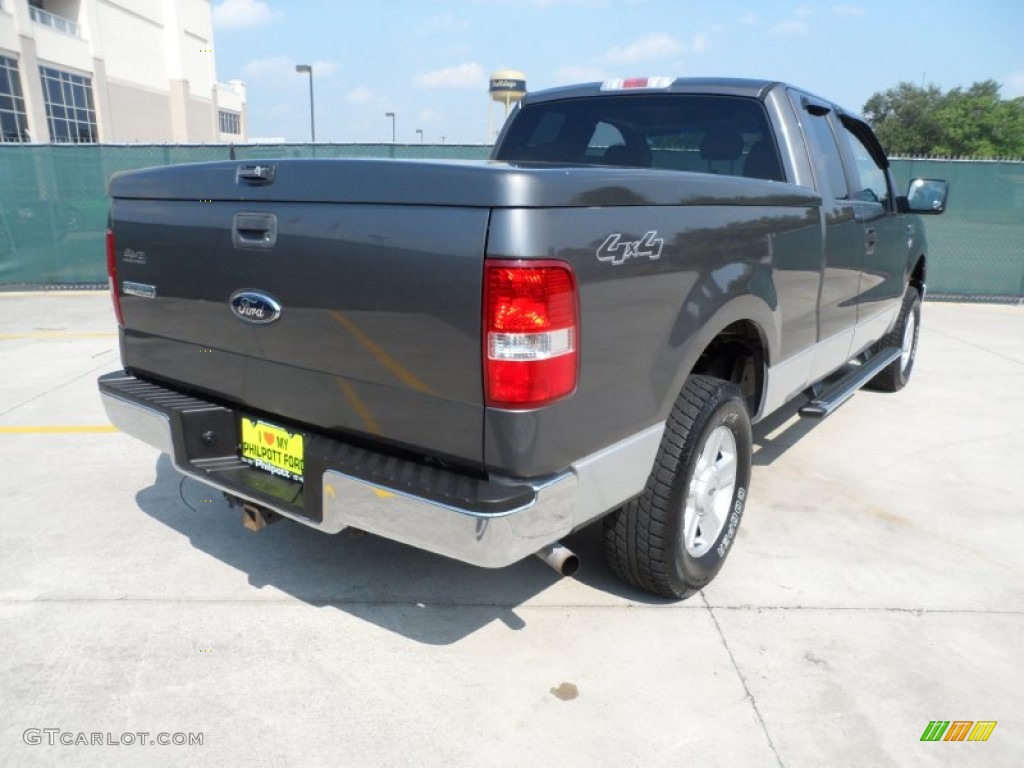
<point>927,196</point>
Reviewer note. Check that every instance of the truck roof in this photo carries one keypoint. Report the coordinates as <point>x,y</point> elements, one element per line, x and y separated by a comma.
<point>712,86</point>
<point>720,86</point>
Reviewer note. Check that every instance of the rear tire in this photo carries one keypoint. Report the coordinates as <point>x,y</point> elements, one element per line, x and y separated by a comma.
<point>673,539</point>
<point>904,334</point>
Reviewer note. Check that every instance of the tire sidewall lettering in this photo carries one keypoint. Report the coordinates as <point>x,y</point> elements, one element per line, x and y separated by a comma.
<point>704,568</point>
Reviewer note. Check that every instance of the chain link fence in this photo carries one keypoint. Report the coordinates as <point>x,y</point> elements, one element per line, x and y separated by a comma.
<point>53,209</point>
<point>976,248</point>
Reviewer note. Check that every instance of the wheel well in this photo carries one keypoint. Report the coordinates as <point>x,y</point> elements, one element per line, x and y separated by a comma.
<point>917,277</point>
<point>736,354</point>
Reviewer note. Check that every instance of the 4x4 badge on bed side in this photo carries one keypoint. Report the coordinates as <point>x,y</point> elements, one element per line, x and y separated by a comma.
<point>617,251</point>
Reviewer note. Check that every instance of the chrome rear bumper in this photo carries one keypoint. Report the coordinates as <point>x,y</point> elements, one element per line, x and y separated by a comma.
<point>491,522</point>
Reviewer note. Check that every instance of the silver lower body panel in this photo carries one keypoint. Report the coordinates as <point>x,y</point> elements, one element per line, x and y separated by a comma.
<point>558,505</point>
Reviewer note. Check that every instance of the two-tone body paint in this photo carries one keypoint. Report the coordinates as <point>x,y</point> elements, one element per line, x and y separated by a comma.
<point>645,322</point>
<point>378,265</point>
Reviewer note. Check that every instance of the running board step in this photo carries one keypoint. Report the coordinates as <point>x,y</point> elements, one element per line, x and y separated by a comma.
<point>822,405</point>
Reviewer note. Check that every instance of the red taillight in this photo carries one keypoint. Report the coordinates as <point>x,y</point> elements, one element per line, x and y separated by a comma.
<point>531,332</point>
<point>115,293</point>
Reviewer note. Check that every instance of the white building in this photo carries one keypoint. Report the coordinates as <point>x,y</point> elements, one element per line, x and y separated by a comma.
<point>114,71</point>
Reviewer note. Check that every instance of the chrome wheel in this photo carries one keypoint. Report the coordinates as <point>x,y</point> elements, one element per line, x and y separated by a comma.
<point>673,539</point>
<point>709,496</point>
<point>909,337</point>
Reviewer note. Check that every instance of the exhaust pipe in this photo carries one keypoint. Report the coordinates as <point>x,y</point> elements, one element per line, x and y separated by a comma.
<point>256,518</point>
<point>560,559</point>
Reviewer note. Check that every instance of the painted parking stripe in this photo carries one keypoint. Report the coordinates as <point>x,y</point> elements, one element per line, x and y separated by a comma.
<point>58,335</point>
<point>95,292</point>
<point>57,430</point>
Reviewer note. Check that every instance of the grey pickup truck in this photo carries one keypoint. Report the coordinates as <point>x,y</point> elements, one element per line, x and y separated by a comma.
<point>478,359</point>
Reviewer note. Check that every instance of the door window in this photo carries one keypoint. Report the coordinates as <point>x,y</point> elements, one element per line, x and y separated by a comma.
<point>827,160</point>
<point>874,185</point>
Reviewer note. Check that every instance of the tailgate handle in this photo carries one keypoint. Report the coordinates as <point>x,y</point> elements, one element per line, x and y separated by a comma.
<point>257,173</point>
<point>254,230</point>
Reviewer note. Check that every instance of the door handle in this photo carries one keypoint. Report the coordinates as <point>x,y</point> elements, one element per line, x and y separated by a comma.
<point>870,240</point>
<point>254,230</point>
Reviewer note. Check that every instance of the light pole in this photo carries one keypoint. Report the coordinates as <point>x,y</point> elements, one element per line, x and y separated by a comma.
<point>392,116</point>
<point>308,68</point>
<point>420,132</point>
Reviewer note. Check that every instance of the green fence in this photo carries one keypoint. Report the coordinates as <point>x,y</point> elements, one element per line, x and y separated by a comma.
<point>53,209</point>
<point>977,246</point>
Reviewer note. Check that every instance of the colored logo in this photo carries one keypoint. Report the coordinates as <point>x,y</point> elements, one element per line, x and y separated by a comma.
<point>255,307</point>
<point>958,730</point>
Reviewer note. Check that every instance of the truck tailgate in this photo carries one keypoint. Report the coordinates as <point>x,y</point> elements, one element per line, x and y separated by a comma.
<point>379,326</point>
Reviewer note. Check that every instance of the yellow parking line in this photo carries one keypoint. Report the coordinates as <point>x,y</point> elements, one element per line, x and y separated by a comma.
<point>56,430</point>
<point>59,294</point>
<point>58,335</point>
<point>364,413</point>
<point>383,356</point>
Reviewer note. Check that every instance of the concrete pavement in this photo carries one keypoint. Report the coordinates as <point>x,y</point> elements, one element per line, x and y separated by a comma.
<point>876,585</point>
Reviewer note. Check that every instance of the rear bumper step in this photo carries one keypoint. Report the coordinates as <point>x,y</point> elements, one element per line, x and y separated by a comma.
<point>486,522</point>
<point>842,390</point>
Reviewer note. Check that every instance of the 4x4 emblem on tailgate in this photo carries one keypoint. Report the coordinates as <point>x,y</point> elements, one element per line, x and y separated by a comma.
<point>255,307</point>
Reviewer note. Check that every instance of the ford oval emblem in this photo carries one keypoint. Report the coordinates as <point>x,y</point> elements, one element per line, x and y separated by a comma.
<point>255,307</point>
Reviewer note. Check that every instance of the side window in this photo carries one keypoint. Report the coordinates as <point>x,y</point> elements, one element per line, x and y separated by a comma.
<point>547,129</point>
<point>605,143</point>
<point>874,186</point>
<point>827,161</point>
<point>539,137</point>
<point>605,135</point>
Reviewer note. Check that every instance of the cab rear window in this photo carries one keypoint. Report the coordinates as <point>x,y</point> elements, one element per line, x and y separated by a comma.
<point>686,132</point>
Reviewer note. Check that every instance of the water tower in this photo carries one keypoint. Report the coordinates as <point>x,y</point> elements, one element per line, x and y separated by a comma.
<point>507,87</point>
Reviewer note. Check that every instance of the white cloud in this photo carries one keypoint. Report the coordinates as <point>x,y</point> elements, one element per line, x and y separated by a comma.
<point>361,95</point>
<point>446,22</point>
<point>1013,85</point>
<point>468,75</point>
<point>571,74</point>
<point>283,67</point>
<point>570,3</point>
<point>749,19</point>
<point>699,45</point>
<point>429,116</point>
<point>646,48</point>
<point>324,68</point>
<point>453,51</point>
<point>848,10</point>
<point>270,66</point>
<point>791,28</point>
<point>244,13</point>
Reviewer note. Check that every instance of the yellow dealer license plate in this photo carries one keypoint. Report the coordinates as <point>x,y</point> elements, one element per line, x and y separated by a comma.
<point>272,449</point>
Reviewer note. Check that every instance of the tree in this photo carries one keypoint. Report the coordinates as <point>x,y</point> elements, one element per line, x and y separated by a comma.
<point>915,120</point>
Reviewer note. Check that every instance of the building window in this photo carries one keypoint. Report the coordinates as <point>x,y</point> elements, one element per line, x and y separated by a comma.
<point>52,20</point>
<point>230,122</point>
<point>13,123</point>
<point>70,111</point>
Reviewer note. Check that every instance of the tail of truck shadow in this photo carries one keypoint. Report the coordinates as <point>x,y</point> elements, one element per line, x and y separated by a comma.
<point>780,431</point>
<point>422,596</point>
<point>784,428</point>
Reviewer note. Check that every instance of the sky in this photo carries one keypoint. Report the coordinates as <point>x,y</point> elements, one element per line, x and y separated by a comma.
<point>429,61</point>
